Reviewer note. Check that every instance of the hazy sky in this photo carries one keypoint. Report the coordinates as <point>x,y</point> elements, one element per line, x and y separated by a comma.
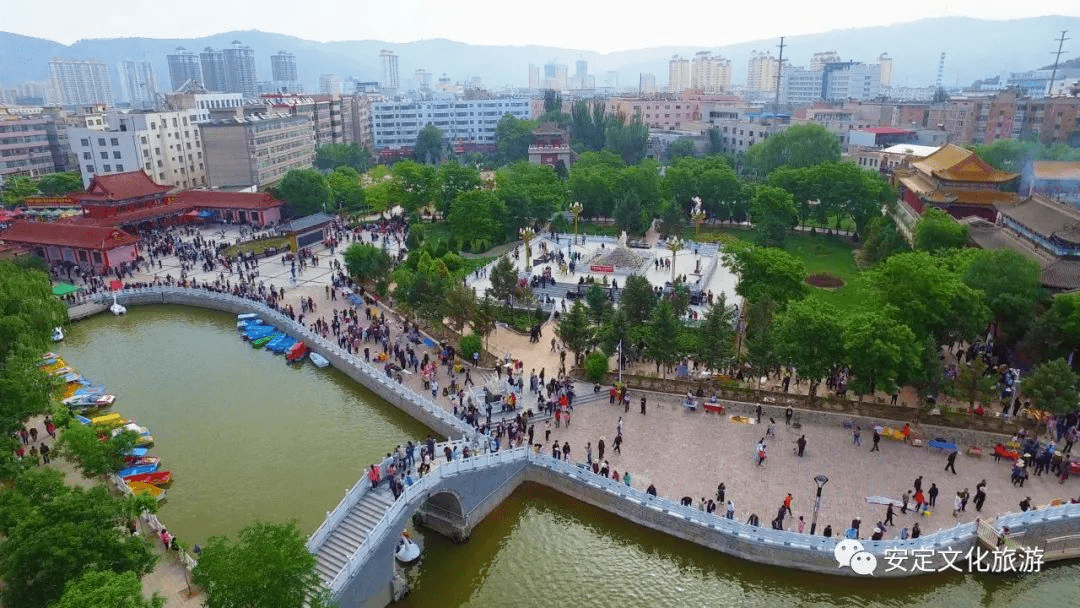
<point>596,25</point>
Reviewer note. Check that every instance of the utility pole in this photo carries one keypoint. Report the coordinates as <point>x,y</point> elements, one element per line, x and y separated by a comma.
<point>776,104</point>
<point>1057,57</point>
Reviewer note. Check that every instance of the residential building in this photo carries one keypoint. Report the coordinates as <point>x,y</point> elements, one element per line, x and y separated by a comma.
<point>611,80</point>
<point>581,74</point>
<point>240,74</point>
<point>184,68</point>
<point>283,67</point>
<point>800,86</point>
<point>956,181</point>
<point>668,114</point>
<point>215,103</point>
<point>363,131</point>
<point>985,118</point>
<point>329,84</point>
<point>646,84</point>
<point>850,80</point>
<point>213,70</point>
<point>555,76</point>
<point>324,111</point>
<point>24,146</point>
<point>819,59</point>
<point>710,74</point>
<point>880,137</point>
<point>761,72</point>
<point>138,84</point>
<point>389,61</point>
<point>167,146</point>
<point>678,74</point>
<point>423,80</point>
<point>256,150</point>
<point>80,82</point>
<point>396,124</point>
<point>885,67</point>
<point>534,76</point>
<point>886,160</point>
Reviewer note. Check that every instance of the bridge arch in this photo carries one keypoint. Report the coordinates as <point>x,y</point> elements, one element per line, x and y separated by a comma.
<point>444,512</point>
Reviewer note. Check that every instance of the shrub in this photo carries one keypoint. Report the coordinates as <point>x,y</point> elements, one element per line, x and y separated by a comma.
<point>596,365</point>
<point>470,344</point>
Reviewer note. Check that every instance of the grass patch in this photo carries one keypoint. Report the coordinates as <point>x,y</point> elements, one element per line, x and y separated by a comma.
<point>258,246</point>
<point>596,229</point>
<point>520,319</point>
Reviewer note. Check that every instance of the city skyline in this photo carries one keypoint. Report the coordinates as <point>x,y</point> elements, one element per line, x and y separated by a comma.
<point>413,20</point>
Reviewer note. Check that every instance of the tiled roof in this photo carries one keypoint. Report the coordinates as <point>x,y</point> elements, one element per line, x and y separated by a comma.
<point>121,186</point>
<point>65,234</point>
<point>216,199</point>
<point>1062,274</point>
<point>1046,217</point>
<point>993,238</point>
<point>307,222</point>
<point>1056,169</point>
<point>957,164</point>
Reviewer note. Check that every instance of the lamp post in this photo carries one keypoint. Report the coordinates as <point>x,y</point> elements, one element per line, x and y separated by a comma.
<point>527,233</point>
<point>674,244</point>
<point>697,216</point>
<point>820,480</point>
<point>575,209</point>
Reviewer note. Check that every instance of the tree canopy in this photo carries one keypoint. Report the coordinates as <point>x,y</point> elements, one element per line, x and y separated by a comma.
<point>428,148</point>
<point>332,156</point>
<point>367,262</point>
<point>98,588</point>
<point>530,192</point>
<point>797,146</point>
<point>55,184</point>
<point>512,138</point>
<point>767,272</point>
<point>345,190</point>
<point>810,338</point>
<point>880,351</point>
<point>477,218</point>
<point>1052,386</point>
<point>773,213</point>
<point>304,191</point>
<point>937,231</point>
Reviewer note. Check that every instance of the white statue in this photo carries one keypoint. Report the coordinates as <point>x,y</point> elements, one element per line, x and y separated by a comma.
<point>622,239</point>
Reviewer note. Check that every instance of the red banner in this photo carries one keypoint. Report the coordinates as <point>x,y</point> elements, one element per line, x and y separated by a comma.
<point>602,268</point>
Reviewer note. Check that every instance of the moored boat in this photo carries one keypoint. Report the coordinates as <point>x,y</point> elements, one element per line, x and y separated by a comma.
<point>142,469</point>
<point>284,344</point>
<point>58,334</point>
<point>144,437</point>
<point>89,400</point>
<point>297,352</point>
<point>157,478</point>
<point>108,421</point>
<point>407,551</point>
<point>141,488</point>
<point>134,461</point>
<point>263,341</point>
<point>317,359</point>
<point>246,316</point>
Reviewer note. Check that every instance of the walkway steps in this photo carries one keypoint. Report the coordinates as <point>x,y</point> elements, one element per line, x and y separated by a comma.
<point>343,540</point>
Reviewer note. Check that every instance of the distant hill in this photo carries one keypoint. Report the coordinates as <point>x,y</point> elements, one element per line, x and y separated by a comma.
<point>974,49</point>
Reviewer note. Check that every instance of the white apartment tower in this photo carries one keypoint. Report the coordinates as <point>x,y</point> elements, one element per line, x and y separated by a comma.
<point>283,70</point>
<point>240,75</point>
<point>761,72</point>
<point>646,84</point>
<point>138,84</point>
<point>709,74</point>
<point>819,59</point>
<point>886,70</point>
<point>389,70</point>
<point>79,82</point>
<point>183,68</point>
<point>534,76</point>
<point>678,74</point>
<point>330,84</point>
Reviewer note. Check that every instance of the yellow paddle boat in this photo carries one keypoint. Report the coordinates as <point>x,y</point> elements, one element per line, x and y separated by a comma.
<point>140,488</point>
<point>108,421</point>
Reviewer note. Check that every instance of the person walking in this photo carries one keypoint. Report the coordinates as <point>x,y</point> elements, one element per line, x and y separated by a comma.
<point>877,440</point>
<point>957,504</point>
<point>920,500</point>
<point>889,515</point>
<point>801,442</point>
<point>980,495</point>
<point>905,499</point>
<point>917,484</point>
<point>600,449</point>
<point>617,444</point>
<point>964,497</point>
<point>761,452</point>
<point>618,427</point>
<point>44,452</point>
<point>757,411</point>
<point>730,513</point>
<point>950,464</point>
<point>855,435</point>
<point>643,405</point>
<point>933,492</point>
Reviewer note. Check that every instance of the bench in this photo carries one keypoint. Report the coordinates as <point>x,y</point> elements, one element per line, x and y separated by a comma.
<point>715,408</point>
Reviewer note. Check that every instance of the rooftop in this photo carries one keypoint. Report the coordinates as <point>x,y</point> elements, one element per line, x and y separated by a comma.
<point>121,186</point>
<point>912,149</point>
<point>1046,217</point>
<point>1056,169</point>
<point>66,234</point>
<point>957,164</point>
<point>887,131</point>
<point>307,222</point>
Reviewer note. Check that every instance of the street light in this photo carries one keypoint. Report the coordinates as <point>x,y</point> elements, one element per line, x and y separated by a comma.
<point>820,480</point>
<point>697,216</point>
<point>575,209</point>
<point>674,244</point>
<point>527,233</point>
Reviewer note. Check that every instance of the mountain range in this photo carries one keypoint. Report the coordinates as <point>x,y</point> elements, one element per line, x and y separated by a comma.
<point>974,49</point>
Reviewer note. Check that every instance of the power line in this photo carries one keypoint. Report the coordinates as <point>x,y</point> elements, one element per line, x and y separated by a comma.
<point>776,104</point>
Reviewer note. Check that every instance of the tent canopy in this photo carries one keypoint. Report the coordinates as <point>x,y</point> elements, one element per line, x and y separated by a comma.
<point>63,289</point>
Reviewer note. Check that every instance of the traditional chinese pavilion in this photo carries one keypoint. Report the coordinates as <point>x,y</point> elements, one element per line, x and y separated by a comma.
<point>550,145</point>
<point>956,181</point>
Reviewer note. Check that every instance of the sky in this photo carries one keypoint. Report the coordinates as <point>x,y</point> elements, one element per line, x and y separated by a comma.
<point>593,25</point>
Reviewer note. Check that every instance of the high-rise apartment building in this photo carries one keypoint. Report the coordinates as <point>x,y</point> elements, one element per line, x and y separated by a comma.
<point>581,74</point>
<point>761,72</point>
<point>79,82</point>
<point>389,63</point>
<point>555,77</point>
<point>819,59</point>
<point>646,84</point>
<point>885,66</point>
<point>25,146</point>
<point>138,84</point>
<point>611,79</point>
<point>330,84</point>
<point>534,76</point>
<point>709,74</point>
<point>283,66</point>
<point>678,74</point>
<point>183,68</point>
<point>165,145</point>
<point>423,80</point>
<point>396,124</point>
<point>256,150</point>
<point>240,75</point>
<point>213,70</point>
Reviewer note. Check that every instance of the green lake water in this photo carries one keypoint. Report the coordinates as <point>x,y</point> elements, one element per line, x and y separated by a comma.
<point>247,437</point>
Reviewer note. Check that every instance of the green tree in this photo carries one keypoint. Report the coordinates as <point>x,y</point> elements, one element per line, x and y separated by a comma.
<point>575,331</point>
<point>681,148</point>
<point>483,322</point>
<point>366,262</point>
<point>1052,386</point>
<point>659,344</point>
<point>629,213</point>
<point>28,310</point>
<point>596,365</point>
<point>428,148</point>
<point>332,156</point>
<point>638,299</point>
<point>513,137</point>
<point>882,239</point>
<point>716,337</point>
<point>268,565</point>
<point>627,140</point>
<point>80,445</point>
<point>672,219</point>
<point>453,180</point>
<point>552,101</point>
<point>304,191</point>
<point>593,181</point>
<point>1011,286</point>
<point>929,378</point>
<point>477,217</point>
<point>937,231</point>
<point>809,337</point>
<point>762,352</point>
<point>767,272</point>
<point>345,190</point>
<point>413,186</point>
<point>17,188</point>
<point>616,329</point>
<point>797,146</point>
<point>711,179</point>
<point>1055,333</point>
<point>472,343</point>
<point>930,298</point>
<point>55,184</point>
<point>61,532</point>
<point>599,305</point>
<point>880,350</point>
<point>973,384</point>
<point>422,288</point>
<point>504,279</point>
<point>531,192</point>
<point>98,588</point>
<point>460,305</point>
<point>773,212</point>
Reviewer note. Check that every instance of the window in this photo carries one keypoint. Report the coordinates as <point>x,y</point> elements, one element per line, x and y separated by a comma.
<point>105,155</point>
<point>119,167</point>
<point>101,141</point>
<point>89,169</point>
<point>87,156</point>
<point>107,168</point>
<point>85,143</point>
<point>174,123</point>
<point>116,154</point>
<point>113,141</point>
<point>153,125</point>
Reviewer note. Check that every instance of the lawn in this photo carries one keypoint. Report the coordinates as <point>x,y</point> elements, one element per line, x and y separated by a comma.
<point>258,246</point>
<point>820,253</point>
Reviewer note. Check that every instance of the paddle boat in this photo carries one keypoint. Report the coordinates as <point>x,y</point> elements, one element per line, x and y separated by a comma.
<point>157,478</point>
<point>283,345</point>
<point>48,359</point>
<point>58,334</point>
<point>407,551</point>
<point>83,420</point>
<point>117,308</point>
<point>108,421</point>
<point>297,352</point>
<point>254,333</point>
<point>140,488</point>
<point>276,343</point>
<point>89,400</point>
<point>317,359</point>
<point>139,470</point>
<point>144,437</point>
<point>135,461</point>
<point>263,341</point>
<point>136,452</point>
